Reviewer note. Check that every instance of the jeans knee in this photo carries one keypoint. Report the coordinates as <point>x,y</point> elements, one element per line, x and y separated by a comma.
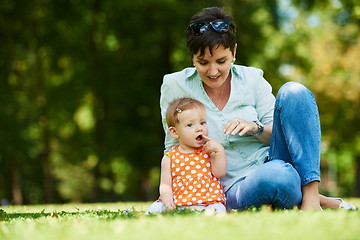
<point>295,96</point>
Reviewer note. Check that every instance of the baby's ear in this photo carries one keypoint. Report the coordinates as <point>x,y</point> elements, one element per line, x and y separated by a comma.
<point>172,131</point>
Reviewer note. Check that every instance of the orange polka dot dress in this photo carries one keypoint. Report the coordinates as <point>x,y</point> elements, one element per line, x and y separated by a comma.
<point>192,180</point>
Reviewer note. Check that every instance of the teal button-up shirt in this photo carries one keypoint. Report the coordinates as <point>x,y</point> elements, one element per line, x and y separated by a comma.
<point>251,99</point>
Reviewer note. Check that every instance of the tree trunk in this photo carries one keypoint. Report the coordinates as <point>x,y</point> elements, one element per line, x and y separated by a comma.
<point>16,183</point>
<point>357,177</point>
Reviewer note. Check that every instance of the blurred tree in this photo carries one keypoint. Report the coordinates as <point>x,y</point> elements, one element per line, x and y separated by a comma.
<point>327,50</point>
<point>80,80</point>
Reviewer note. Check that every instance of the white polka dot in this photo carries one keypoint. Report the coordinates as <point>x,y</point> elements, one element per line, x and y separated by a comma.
<point>182,164</point>
<point>174,185</point>
<point>194,190</point>
<point>200,175</point>
<point>177,160</point>
<point>193,171</point>
<point>208,164</point>
<point>204,170</point>
<point>172,165</point>
<point>173,174</point>
<point>180,196</point>
<point>199,185</point>
<point>188,176</point>
<point>202,161</point>
<point>192,163</point>
<point>186,159</point>
<point>194,198</point>
<point>191,187</point>
<point>203,190</point>
<point>189,203</point>
<point>206,156</point>
<point>213,184</point>
<point>177,169</point>
<point>196,158</point>
<point>200,201</point>
<point>182,173</point>
<point>179,184</point>
<point>186,192</point>
<point>198,166</point>
<point>216,191</point>
<point>184,200</point>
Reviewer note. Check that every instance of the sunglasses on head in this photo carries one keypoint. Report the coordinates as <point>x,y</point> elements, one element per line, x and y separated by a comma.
<point>220,25</point>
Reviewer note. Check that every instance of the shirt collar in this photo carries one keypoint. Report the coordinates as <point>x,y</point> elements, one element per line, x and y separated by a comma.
<point>191,72</point>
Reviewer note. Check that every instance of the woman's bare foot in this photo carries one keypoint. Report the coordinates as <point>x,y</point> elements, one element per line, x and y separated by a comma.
<point>327,202</point>
<point>311,196</point>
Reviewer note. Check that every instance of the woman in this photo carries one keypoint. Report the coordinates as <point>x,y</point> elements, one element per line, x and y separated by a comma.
<point>272,146</point>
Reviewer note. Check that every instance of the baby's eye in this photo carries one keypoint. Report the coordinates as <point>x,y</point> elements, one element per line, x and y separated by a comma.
<point>203,123</point>
<point>190,125</point>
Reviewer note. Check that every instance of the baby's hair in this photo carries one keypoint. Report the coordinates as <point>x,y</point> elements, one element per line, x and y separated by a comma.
<point>177,106</point>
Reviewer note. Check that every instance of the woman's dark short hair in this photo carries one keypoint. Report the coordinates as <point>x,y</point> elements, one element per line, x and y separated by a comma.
<point>210,38</point>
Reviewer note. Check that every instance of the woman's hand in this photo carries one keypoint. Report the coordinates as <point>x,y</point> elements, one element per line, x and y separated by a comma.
<point>240,126</point>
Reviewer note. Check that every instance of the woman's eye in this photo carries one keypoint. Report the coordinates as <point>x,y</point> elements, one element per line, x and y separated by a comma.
<point>203,123</point>
<point>190,125</point>
<point>221,62</point>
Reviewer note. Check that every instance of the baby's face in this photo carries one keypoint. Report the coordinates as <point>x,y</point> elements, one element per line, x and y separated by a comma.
<point>191,128</point>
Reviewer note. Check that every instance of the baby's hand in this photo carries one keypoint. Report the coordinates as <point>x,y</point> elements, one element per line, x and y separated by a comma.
<point>169,206</point>
<point>212,146</point>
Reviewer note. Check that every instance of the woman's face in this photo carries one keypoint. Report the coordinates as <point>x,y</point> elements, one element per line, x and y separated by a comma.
<point>214,69</point>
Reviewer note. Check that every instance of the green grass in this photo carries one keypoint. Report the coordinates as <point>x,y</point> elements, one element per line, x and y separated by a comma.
<point>110,221</point>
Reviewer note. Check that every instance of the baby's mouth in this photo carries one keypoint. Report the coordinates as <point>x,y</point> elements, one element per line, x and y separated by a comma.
<point>199,138</point>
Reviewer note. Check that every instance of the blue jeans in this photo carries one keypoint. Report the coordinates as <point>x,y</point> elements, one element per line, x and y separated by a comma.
<point>294,156</point>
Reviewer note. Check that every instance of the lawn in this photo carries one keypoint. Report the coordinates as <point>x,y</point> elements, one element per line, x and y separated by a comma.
<point>127,221</point>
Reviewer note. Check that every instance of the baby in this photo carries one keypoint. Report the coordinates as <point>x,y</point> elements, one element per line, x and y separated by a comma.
<point>190,171</point>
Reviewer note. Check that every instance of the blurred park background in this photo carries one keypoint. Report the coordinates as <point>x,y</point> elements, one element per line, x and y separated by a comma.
<point>80,82</point>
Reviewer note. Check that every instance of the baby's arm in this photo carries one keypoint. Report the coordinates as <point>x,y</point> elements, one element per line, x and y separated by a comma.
<point>166,193</point>
<point>217,157</point>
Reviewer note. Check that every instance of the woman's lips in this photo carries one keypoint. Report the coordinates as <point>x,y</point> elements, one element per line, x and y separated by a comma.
<point>214,78</point>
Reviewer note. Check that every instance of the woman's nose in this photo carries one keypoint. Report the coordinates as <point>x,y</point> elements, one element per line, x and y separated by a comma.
<point>213,70</point>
